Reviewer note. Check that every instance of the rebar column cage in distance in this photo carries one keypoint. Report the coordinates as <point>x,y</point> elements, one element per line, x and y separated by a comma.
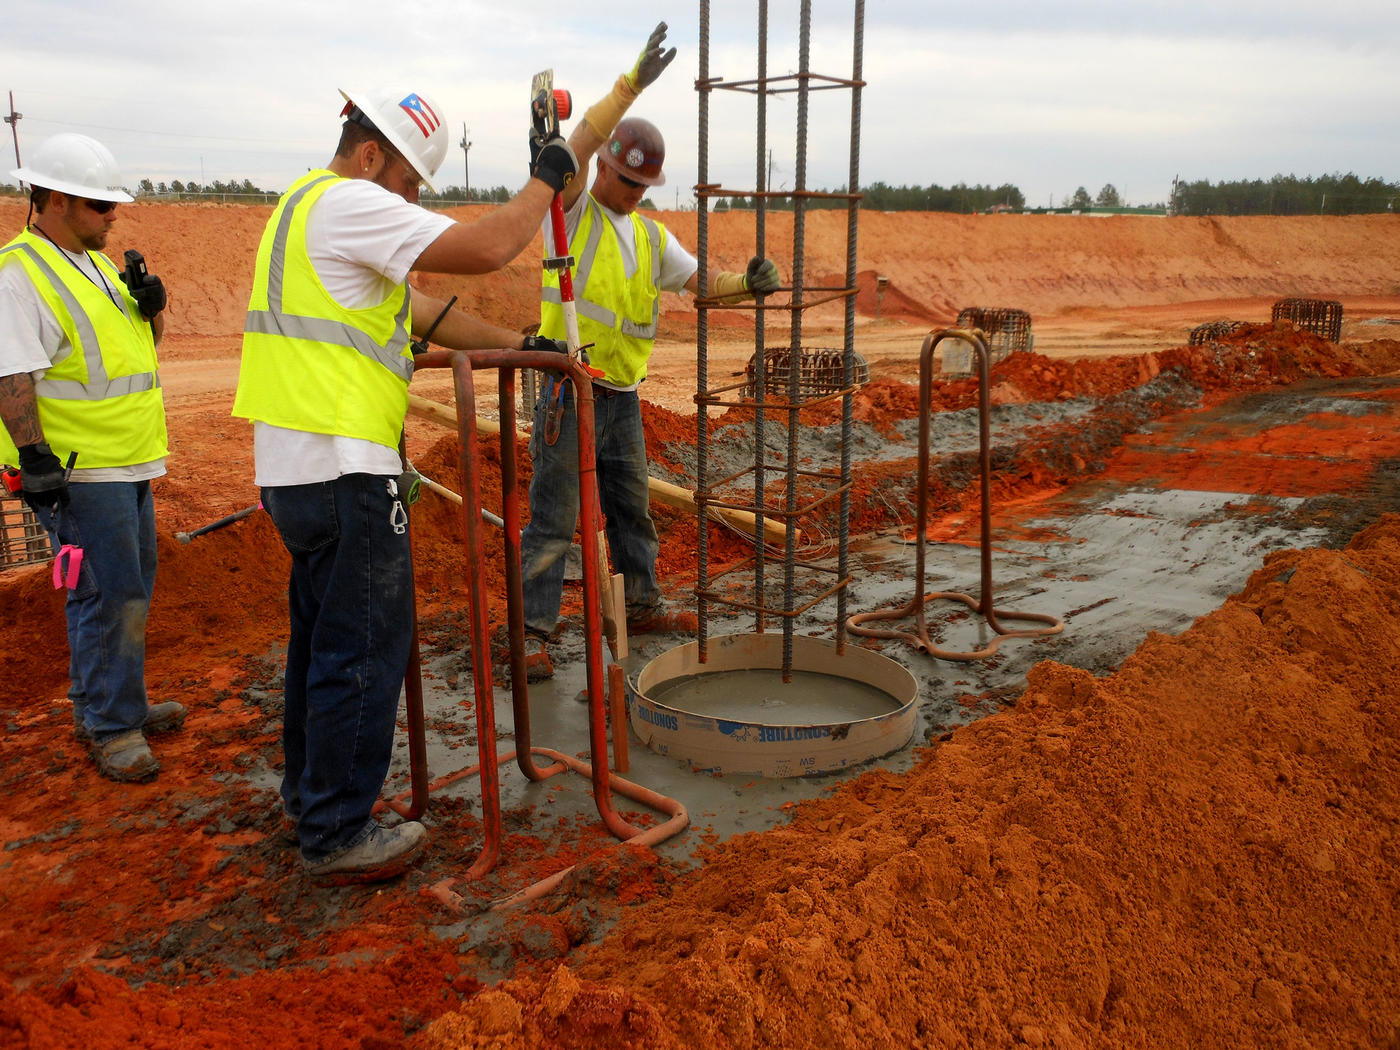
<point>1205,334</point>
<point>604,781</point>
<point>984,603</point>
<point>1320,316</point>
<point>820,371</point>
<point>799,491</point>
<point>23,540</point>
<point>1007,331</point>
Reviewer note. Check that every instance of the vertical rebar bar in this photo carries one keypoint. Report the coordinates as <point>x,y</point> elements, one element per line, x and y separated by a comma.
<point>799,221</point>
<point>702,332</point>
<point>849,347</point>
<point>760,365</point>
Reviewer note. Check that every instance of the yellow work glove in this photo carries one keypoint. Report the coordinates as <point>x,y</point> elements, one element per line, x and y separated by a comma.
<point>604,114</point>
<point>761,276</point>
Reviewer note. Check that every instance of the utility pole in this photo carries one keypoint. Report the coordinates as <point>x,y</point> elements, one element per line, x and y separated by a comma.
<point>466,165</point>
<point>13,120</point>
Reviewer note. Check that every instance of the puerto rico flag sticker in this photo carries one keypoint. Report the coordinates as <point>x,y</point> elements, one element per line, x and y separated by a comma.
<point>422,114</point>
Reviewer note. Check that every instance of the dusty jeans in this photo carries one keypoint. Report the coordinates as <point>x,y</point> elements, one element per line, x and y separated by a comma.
<point>351,606</point>
<point>554,505</point>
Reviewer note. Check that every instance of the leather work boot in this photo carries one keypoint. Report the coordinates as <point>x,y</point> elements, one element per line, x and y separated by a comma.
<point>164,717</point>
<point>659,620</point>
<point>126,757</point>
<point>538,665</point>
<point>382,854</point>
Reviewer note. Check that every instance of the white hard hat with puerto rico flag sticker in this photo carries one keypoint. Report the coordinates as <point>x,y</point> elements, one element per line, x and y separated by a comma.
<point>413,124</point>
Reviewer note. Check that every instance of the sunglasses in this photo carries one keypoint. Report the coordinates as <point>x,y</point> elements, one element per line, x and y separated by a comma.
<point>101,207</point>
<point>630,182</point>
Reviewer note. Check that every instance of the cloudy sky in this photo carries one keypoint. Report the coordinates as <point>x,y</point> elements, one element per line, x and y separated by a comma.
<point>1047,97</point>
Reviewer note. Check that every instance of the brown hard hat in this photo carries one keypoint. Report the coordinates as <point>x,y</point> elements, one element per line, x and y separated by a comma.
<point>637,151</point>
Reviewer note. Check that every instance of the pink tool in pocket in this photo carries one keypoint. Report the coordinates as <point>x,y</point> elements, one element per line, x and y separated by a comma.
<point>67,577</point>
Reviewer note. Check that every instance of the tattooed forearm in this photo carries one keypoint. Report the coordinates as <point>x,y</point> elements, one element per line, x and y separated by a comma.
<point>18,409</point>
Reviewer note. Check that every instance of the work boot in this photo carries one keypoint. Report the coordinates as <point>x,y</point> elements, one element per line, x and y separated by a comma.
<point>538,665</point>
<point>125,757</point>
<point>382,854</point>
<point>657,619</point>
<point>164,717</point>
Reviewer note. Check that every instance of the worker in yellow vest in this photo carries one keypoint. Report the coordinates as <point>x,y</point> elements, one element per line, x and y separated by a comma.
<point>84,421</point>
<point>324,378</point>
<point>623,261</point>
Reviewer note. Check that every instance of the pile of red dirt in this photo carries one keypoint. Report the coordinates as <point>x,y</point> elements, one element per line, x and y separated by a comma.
<point>1198,850</point>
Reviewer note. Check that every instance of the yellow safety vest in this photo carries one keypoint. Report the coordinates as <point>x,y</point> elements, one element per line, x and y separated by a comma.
<point>616,314</point>
<point>101,396</point>
<point>308,362</point>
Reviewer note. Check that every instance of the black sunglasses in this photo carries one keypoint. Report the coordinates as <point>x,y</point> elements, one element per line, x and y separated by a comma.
<point>630,182</point>
<point>101,207</point>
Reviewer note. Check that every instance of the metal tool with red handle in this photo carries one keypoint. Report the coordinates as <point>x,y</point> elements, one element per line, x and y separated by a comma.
<point>547,107</point>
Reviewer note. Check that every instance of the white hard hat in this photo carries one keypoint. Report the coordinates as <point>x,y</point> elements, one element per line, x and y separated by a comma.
<point>413,124</point>
<point>77,165</point>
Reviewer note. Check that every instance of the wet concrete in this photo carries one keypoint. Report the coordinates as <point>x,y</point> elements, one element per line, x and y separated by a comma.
<point>1114,561</point>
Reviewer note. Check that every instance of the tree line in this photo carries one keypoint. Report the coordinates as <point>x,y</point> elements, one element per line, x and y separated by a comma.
<point>1281,195</point>
<point>1287,195</point>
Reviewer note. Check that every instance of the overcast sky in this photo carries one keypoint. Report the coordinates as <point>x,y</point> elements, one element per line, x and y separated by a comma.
<point>1047,97</point>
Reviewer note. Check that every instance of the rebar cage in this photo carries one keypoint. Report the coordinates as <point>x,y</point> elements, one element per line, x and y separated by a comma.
<point>22,539</point>
<point>1007,331</point>
<point>821,371</point>
<point>1322,317</point>
<point>1205,334</point>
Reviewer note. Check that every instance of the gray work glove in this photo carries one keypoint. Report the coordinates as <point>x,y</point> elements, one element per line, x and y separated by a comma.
<point>762,277</point>
<point>552,161</point>
<point>41,477</point>
<point>652,62</point>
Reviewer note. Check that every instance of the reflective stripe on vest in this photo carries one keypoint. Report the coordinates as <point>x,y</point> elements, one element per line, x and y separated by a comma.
<point>98,387</point>
<point>273,321</point>
<point>622,347</point>
<point>309,363</point>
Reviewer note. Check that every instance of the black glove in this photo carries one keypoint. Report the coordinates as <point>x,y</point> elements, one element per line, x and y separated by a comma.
<point>762,276</point>
<point>150,296</point>
<point>145,288</point>
<point>552,161</point>
<point>41,477</point>
<point>550,346</point>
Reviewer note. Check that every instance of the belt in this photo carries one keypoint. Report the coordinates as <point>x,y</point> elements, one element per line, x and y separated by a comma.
<point>605,391</point>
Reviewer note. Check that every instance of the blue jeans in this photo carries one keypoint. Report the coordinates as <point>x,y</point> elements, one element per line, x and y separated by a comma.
<point>115,524</point>
<point>554,504</point>
<point>351,609</point>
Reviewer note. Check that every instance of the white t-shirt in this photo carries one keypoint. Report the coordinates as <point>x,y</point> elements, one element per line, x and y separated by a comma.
<point>677,264</point>
<point>362,240</point>
<point>30,338</point>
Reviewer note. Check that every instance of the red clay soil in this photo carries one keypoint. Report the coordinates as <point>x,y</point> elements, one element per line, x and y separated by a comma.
<point>1197,850</point>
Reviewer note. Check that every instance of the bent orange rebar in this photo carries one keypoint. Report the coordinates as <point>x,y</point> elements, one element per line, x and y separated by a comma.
<point>984,603</point>
<point>603,781</point>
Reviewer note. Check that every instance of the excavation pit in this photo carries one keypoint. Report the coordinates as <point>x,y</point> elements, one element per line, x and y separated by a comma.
<point>735,714</point>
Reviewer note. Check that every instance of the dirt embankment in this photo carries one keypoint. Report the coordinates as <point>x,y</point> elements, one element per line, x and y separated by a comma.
<point>936,263</point>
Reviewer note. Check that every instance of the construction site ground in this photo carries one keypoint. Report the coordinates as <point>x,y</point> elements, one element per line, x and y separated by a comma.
<point>1171,824</point>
